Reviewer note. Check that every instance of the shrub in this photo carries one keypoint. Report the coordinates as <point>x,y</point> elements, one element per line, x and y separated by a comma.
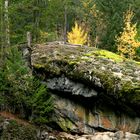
<point>77,35</point>
<point>41,104</point>
<point>19,88</point>
<point>126,42</point>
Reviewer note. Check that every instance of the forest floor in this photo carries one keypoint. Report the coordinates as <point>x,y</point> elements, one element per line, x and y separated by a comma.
<point>14,117</point>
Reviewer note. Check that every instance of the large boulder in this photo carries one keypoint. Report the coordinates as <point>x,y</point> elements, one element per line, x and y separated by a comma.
<point>96,90</point>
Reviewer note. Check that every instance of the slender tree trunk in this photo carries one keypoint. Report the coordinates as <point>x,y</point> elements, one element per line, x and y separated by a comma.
<point>6,19</point>
<point>1,24</point>
<point>36,20</point>
<point>65,25</point>
<point>29,39</point>
<point>2,32</point>
<point>36,25</point>
<point>1,18</point>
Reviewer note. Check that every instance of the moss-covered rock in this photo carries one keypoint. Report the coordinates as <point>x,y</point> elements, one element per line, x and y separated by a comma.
<point>99,69</point>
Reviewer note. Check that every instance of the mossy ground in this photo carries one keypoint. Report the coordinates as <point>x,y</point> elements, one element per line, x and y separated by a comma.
<point>106,54</point>
<point>14,131</point>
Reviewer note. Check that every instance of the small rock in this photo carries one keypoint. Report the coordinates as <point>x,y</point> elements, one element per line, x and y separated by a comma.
<point>103,68</point>
<point>130,136</point>
<point>118,74</point>
<point>44,135</point>
<point>5,123</point>
<point>119,135</point>
<point>116,69</point>
<point>52,138</point>
<point>82,138</point>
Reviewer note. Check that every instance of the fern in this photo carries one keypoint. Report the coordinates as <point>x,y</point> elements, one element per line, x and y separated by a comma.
<point>20,92</point>
<point>42,105</point>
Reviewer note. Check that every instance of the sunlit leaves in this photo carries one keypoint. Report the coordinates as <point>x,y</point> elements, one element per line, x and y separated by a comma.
<point>126,42</point>
<point>77,35</point>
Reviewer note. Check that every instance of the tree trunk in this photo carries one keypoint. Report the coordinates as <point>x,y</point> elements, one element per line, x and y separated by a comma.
<point>29,39</point>
<point>1,25</point>
<point>36,20</point>
<point>65,25</point>
<point>6,19</point>
<point>1,33</point>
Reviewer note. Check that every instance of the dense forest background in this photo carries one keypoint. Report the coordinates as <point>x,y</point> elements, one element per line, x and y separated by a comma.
<point>50,20</point>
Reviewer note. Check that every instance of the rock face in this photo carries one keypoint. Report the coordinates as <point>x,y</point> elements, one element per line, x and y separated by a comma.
<point>92,93</point>
<point>68,86</point>
<point>11,130</point>
<point>71,116</point>
<point>81,110</point>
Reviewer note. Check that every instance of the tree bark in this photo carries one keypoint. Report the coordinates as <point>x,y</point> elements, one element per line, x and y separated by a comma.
<point>36,20</point>
<point>29,39</point>
<point>1,28</point>
<point>65,25</point>
<point>7,30</point>
<point>1,25</point>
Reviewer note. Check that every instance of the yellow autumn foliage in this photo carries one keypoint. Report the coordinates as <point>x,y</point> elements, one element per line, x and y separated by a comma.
<point>77,35</point>
<point>126,42</point>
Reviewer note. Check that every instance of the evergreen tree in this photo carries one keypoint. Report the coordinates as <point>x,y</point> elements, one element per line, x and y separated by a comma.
<point>41,104</point>
<point>18,88</point>
<point>110,21</point>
